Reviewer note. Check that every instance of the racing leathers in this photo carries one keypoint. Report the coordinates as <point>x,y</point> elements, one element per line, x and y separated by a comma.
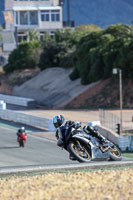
<point>63,132</point>
<point>94,133</point>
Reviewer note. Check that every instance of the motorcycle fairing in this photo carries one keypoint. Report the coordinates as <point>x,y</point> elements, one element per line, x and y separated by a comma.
<point>96,153</point>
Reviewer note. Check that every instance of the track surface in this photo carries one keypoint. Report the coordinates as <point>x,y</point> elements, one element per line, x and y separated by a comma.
<point>37,151</point>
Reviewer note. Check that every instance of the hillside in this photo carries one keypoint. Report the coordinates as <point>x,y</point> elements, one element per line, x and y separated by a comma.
<point>54,89</point>
<point>100,12</point>
<point>51,87</point>
<point>105,94</point>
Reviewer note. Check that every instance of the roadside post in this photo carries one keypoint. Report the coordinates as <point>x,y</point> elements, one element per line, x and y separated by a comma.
<point>116,71</point>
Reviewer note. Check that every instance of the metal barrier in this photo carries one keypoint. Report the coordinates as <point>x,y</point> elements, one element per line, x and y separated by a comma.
<point>109,120</point>
<point>21,101</point>
<point>20,117</point>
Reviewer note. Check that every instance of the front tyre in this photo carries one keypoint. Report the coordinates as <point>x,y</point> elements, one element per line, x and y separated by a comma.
<point>79,151</point>
<point>21,143</point>
<point>115,153</point>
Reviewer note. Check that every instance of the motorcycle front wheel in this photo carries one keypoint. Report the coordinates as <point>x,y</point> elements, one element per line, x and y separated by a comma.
<point>21,143</point>
<point>79,151</point>
<point>115,153</point>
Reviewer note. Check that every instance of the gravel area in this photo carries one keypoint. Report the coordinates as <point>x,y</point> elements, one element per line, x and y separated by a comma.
<point>83,116</point>
<point>92,185</point>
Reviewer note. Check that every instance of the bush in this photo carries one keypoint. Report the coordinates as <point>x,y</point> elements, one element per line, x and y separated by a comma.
<point>100,51</point>
<point>59,51</point>
<point>22,57</point>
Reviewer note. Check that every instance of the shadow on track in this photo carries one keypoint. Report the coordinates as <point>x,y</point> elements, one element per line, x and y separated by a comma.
<point>10,147</point>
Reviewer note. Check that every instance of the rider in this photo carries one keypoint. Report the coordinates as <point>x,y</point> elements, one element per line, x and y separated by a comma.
<point>63,132</point>
<point>21,131</point>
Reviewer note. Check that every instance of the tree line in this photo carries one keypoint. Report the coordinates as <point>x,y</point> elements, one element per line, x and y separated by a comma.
<point>91,51</point>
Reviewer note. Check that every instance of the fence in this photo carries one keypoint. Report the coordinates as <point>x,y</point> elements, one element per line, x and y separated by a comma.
<point>109,120</point>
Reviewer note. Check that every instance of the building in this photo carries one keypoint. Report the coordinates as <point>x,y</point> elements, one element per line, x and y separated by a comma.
<point>24,15</point>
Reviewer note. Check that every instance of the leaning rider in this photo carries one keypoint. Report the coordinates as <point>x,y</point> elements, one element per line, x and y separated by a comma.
<point>62,133</point>
<point>62,130</point>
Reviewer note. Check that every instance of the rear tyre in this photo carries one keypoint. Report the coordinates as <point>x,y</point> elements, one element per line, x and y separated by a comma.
<point>79,151</point>
<point>115,153</point>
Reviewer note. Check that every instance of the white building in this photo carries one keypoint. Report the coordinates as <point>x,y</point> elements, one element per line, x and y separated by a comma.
<point>24,15</point>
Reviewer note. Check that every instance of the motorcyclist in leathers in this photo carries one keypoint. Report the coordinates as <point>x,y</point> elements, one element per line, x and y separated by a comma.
<point>20,131</point>
<point>64,129</point>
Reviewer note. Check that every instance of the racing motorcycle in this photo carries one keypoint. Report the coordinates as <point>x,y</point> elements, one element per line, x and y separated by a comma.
<point>84,148</point>
<point>22,139</point>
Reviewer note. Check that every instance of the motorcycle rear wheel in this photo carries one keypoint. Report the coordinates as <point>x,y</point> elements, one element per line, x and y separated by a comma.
<point>79,151</point>
<point>115,153</point>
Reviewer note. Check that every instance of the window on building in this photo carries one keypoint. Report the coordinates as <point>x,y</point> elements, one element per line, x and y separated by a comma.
<point>45,15</point>
<point>55,15</point>
<point>21,37</point>
<point>23,17</point>
<point>50,15</point>
<point>26,17</point>
<point>33,17</point>
<point>16,17</point>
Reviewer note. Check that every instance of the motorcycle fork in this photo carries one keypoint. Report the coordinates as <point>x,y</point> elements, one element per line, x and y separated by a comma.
<point>79,145</point>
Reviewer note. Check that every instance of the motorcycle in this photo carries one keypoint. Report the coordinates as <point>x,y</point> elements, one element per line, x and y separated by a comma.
<point>84,148</point>
<point>22,139</point>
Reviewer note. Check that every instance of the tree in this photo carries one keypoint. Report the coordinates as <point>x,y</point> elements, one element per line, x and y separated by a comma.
<point>98,52</point>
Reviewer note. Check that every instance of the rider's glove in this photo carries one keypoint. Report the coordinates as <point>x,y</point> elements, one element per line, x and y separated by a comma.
<point>70,123</point>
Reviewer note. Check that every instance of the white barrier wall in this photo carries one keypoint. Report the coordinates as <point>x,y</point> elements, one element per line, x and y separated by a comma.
<point>126,143</point>
<point>123,142</point>
<point>17,100</point>
<point>31,120</point>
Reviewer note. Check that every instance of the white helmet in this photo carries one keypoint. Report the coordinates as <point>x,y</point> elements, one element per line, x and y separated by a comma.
<point>23,129</point>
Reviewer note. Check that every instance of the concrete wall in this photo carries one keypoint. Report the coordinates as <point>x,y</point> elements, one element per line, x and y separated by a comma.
<point>108,134</point>
<point>123,142</point>
<point>31,120</point>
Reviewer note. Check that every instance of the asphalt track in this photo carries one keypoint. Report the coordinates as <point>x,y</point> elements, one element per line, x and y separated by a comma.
<point>39,154</point>
<point>37,151</point>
